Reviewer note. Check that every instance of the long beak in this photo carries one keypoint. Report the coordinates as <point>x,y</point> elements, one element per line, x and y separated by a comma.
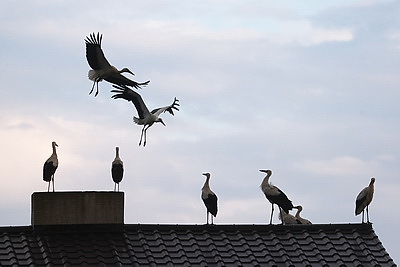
<point>131,72</point>
<point>163,123</point>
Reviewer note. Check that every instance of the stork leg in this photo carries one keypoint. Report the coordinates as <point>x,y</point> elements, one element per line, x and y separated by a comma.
<point>212,219</point>
<point>272,213</point>
<point>48,187</point>
<point>118,187</point>
<point>367,215</point>
<point>141,135</point>
<point>97,89</point>
<point>115,185</point>
<point>91,91</point>
<point>280,214</point>
<point>207,217</point>
<point>52,180</point>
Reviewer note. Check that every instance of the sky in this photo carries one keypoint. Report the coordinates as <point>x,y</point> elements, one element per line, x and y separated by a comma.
<point>307,89</point>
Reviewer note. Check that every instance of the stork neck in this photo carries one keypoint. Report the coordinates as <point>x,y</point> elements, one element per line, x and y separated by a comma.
<point>117,152</point>
<point>54,148</point>
<point>207,183</point>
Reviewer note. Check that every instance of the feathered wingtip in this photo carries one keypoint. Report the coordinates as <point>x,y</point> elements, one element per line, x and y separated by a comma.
<point>173,106</point>
<point>139,85</point>
<point>93,39</point>
<point>120,92</point>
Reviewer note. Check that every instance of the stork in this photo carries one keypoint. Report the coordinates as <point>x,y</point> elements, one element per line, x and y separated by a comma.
<point>50,167</point>
<point>146,118</point>
<point>209,198</point>
<point>275,195</point>
<point>298,217</point>
<point>364,198</point>
<point>101,69</point>
<point>117,169</point>
<point>287,218</point>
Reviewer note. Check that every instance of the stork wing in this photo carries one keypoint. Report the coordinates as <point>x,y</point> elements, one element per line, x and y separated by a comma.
<point>130,95</point>
<point>94,53</point>
<point>169,108</point>
<point>120,79</point>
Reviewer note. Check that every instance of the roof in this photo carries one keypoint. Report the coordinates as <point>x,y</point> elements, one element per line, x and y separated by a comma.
<point>193,245</point>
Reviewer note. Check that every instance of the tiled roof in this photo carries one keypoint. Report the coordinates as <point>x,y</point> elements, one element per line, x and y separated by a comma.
<point>193,245</point>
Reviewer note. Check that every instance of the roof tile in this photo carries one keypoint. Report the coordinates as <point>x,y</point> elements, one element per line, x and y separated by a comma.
<point>188,245</point>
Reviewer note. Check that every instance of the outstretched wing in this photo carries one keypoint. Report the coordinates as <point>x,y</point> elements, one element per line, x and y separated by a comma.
<point>130,95</point>
<point>94,53</point>
<point>170,108</point>
<point>120,79</point>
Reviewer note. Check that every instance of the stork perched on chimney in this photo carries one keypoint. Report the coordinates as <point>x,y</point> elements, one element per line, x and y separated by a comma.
<point>50,167</point>
<point>117,169</point>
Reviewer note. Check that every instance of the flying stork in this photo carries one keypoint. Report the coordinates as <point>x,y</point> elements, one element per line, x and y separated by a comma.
<point>101,69</point>
<point>364,198</point>
<point>117,169</point>
<point>275,195</point>
<point>50,167</point>
<point>298,217</point>
<point>209,198</point>
<point>146,118</point>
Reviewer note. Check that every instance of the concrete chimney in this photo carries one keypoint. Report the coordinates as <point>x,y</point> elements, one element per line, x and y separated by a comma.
<point>61,208</point>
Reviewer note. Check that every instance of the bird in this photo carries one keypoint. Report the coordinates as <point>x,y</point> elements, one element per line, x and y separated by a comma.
<point>298,217</point>
<point>102,69</point>
<point>50,167</point>
<point>209,198</point>
<point>275,195</point>
<point>364,198</point>
<point>146,118</point>
<point>117,169</point>
<point>287,218</point>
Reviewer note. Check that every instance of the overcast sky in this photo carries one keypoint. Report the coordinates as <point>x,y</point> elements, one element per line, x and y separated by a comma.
<point>308,89</point>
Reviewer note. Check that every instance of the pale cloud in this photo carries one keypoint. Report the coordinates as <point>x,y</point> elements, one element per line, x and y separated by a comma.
<point>343,165</point>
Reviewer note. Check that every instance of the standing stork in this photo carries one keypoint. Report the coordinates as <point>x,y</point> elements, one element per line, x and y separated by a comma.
<point>298,217</point>
<point>209,198</point>
<point>117,169</point>
<point>146,118</point>
<point>50,167</point>
<point>101,69</point>
<point>275,195</point>
<point>364,198</point>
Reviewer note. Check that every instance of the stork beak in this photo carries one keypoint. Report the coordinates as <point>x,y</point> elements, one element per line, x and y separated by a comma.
<point>162,122</point>
<point>131,72</point>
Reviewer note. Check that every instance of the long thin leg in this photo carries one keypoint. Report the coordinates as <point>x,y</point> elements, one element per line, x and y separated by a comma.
<point>91,91</point>
<point>207,217</point>
<point>272,213</point>
<point>141,135</point>
<point>212,219</point>
<point>48,187</point>
<point>97,89</point>
<point>367,215</point>
<point>145,135</point>
<point>52,180</point>
<point>280,214</point>
<point>362,221</point>
<point>118,187</point>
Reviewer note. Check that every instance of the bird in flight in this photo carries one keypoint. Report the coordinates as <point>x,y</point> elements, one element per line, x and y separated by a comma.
<point>102,69</point>
<point>146,118</point>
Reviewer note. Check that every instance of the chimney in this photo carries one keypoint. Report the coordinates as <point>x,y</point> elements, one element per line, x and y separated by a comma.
<point>61,208</point>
